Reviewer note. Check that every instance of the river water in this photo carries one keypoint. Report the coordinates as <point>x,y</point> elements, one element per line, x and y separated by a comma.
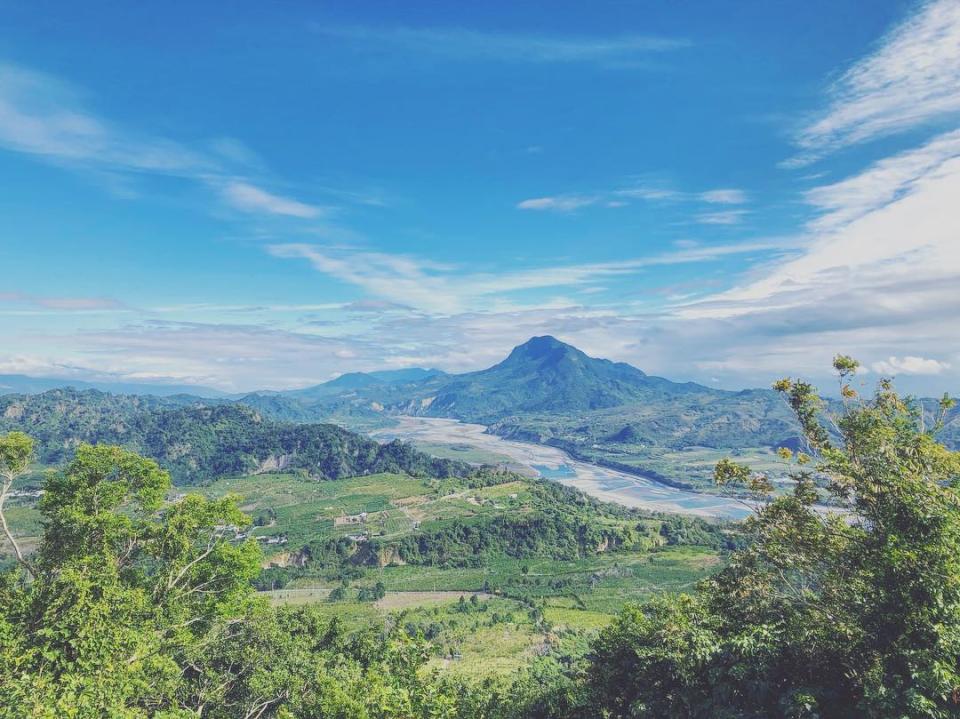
<point>609,485</point>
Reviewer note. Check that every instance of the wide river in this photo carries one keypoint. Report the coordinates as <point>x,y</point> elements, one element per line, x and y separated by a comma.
<point>607,484</point>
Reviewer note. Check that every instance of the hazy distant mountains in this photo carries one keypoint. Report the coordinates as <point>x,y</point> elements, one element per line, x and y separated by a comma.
<point>23,384</point>
<point>199,442</point>
<point>544,391</point>
<point>546,375</point>
<point>353,381</point>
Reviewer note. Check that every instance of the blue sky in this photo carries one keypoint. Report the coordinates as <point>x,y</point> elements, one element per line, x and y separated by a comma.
<point>253,195</point>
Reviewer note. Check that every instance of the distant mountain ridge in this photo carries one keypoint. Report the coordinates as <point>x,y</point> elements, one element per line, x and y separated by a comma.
<point>551,392</point>
<point>547,375</point>
<point>199,442</point>
<point>365,380</point>
<point>26,384</point>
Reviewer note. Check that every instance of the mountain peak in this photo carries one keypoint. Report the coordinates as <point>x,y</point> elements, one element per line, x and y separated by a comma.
<point>541,347</point>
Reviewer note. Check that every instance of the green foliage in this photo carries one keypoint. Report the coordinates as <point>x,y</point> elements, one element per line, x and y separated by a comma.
<point>199,443</point>
<point>16,450</point>
<point>822,615</point>
<point>123,593</point>
<point>139,609</point>
<point>691,531</point>
<point>372,594</point>
<point>546,520</point>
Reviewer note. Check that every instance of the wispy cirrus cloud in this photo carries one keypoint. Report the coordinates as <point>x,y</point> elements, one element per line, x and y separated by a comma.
<point>42,116</point>
<point>877,233</point>
<point>725,217</point>
<point>466,44</point>
<point>446,289</point>
<point>641,193</point>
<point>878,272</point>
<point>652,194</point>
<point>879,267</point>
<point>249,198</point>
<point>912,78</point>
<point>881,184</point>
<point>727,196</point>
<point>23,303</point>
<point>560,203</point>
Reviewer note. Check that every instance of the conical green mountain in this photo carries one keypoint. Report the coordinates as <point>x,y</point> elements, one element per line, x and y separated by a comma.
<point>547,375</point>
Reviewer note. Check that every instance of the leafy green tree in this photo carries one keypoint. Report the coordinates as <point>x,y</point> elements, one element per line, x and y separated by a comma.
<point>16,449</point>
<point>825,614</point>
<point>123,593</point>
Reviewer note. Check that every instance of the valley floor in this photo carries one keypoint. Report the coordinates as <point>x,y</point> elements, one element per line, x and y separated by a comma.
<point>609,485</point>
<point>533,607</point>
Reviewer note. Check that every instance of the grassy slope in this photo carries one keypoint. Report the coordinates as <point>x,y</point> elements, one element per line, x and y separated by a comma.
<point>499,633</point>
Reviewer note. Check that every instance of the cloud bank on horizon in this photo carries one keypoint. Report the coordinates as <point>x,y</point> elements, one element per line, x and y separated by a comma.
<point>355,193</point>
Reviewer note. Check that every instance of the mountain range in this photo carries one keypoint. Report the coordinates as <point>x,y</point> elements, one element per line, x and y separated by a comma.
<point>551,392</point>
<point>199,442</point>
<point>546,388</point>
<point>25,384</point>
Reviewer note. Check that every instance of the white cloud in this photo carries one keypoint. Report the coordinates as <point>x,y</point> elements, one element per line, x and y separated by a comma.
<point>26,304</point>
<point>724,196</point>
<point>228,356</point>
<point>649,193</point>
<point>909,365</point>
<point>843,202</point>
<point>880,264</point>
<point>884,228</point>
<point>562,203</point>
<point>645,193</point>
<point>878,273</point>
<point>463,44</point>
<point>42,116</point>
<point>248,198</point>
<point>448,290</point>
<point>725,217</point>
<point>912,78</point>
<point>209,308</point>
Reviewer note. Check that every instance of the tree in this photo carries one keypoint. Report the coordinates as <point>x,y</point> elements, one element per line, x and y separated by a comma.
<point>126,593</point>
<point>825,614</point>
<point>16,449</point>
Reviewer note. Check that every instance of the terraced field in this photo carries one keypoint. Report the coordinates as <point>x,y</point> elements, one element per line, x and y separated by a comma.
<point>486,619</point>
<point>382,505</point>
<point>530,605</point>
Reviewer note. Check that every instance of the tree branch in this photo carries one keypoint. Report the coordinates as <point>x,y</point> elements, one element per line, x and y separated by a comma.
<point>8,478</point>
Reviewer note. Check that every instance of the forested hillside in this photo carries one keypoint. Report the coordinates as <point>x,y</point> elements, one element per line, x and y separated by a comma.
<point>549,388</point>
<point>135,606</point>
<point>545,391</point>
<point>198,443</point>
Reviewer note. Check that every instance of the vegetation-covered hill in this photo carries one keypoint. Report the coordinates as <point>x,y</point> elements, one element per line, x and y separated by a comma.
<point>549,392</point>
<point>198,442</point>
<point>25,384</point>
<point>610,413</point>
<point>138,603</point>
<point>546,375</point>
<point>352,381</point>
<point>602,411</point>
